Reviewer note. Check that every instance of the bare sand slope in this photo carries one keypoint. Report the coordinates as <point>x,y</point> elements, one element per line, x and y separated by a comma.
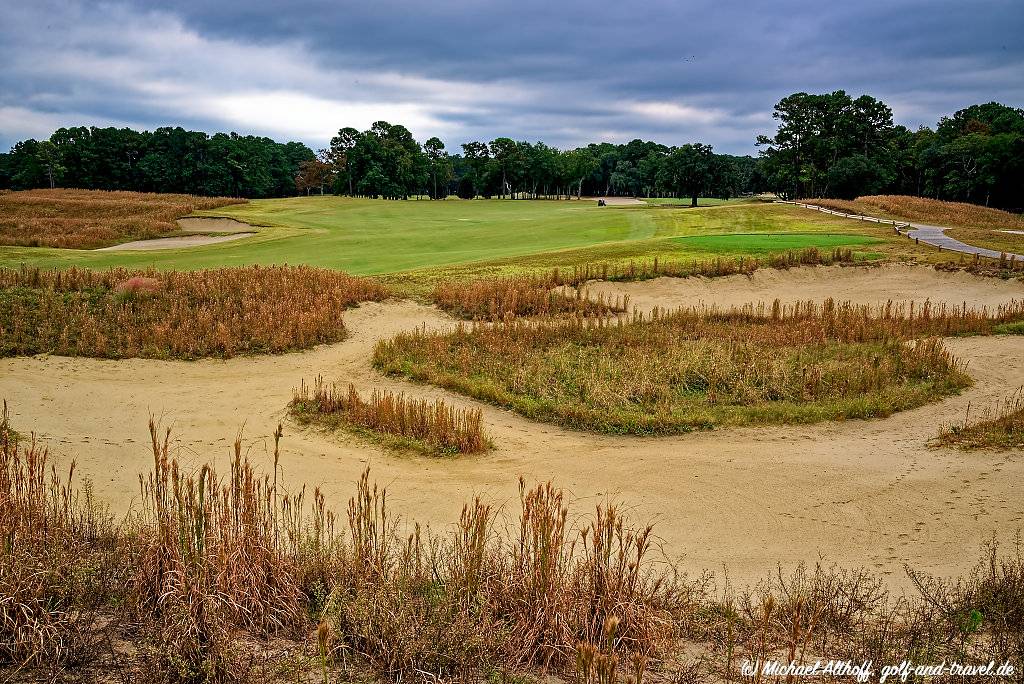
<point>863,285</point>
<point>859,493</point>
<point>213,224</point>
<point>173,242</point>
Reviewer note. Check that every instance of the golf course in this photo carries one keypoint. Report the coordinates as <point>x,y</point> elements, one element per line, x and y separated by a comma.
<point>365,236</point>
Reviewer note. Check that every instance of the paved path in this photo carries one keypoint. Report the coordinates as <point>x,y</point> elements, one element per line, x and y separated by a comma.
<point>930,235</point>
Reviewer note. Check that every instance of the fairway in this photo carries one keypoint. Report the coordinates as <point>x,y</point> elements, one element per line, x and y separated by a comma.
<point>759,243</point>
<point>362,236</point>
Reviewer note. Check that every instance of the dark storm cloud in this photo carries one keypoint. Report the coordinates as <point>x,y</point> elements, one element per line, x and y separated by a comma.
<point>566,72</point>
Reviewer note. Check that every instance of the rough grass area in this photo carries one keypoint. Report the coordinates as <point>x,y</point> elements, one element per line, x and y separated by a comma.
<point>925,210</point>
<point>500,298</point>
<point>87,219</point>
<point>237,576</point>
<point>169,314</point>
<point>969,223</point>
<point>698,368</point>
<point>1000,427</point>
<point>430,427</point>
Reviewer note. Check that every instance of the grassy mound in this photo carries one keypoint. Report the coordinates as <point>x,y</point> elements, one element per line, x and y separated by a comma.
<point>697,368</point>
<point>87,219</point>
<point>153,314</point>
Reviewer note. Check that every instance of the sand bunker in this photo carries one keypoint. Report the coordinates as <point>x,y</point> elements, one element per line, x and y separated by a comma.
<point>862,285</point>
<point>213,224</point>
<point>173,242</point>
<point>858,493</point>
<point>622,201</point>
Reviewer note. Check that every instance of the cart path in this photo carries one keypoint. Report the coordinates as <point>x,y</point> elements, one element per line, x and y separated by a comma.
<point>923,232</point>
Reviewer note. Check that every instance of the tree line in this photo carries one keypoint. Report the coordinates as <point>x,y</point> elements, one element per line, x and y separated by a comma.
<point>826,145</point>
<point>834,145</point>
<point>385,161</point>
<point>163,160</point>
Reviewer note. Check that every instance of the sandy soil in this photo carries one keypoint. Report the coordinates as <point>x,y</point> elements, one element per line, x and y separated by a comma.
<point>212,224</point>
<point>173,242</point>
<point>871,285</point>
<point>858,493</point>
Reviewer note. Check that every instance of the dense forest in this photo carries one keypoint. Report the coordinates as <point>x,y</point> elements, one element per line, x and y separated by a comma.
<point>826,145</point>
<point>164,160</point>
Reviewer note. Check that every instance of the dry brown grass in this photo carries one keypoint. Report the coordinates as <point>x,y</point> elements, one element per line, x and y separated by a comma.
<point>700,367</point>
<point>999,427</point>
<point>87,219</point>
<point>925,210</point>
<point>545,294</point>
<point>706,268</point>
<point>202,574</point>
<point>175,314</point>
<point>499,298</point>
<point>433,426</point>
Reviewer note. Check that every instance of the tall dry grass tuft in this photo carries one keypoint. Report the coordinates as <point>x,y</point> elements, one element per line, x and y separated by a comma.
<point>87,219</point>
<point>217,555</point>
<point>500,298</point>
<point>435,425</point>
<point>999,427</point>
<point>482,597</point>
<point>59,562</point>
<point>122,313</point>
<point>210,567</point>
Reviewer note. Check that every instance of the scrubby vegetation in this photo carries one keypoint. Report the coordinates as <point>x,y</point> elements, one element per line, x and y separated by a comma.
<point>433,427</point>
<point>1000,427</point>
<point>241,578</point>
<point>121,313</point>
<point>543,294</point>
<point>707,268</point>
<point>87,219</point>
<point>701,367</point>
<point>925,210</point>
<point>499,298</point>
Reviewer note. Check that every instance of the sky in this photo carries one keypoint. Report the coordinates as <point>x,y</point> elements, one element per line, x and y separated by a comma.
<point>567,73</point>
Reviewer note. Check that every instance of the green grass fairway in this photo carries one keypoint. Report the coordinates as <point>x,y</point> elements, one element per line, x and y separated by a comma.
<point>429,237</point>
<point>762,243</point>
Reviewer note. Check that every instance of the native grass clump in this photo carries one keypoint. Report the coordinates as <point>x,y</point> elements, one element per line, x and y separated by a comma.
<point>500,298</point>
<point>122,313</point>
<point>926,210</point>
<point>702,367</point>
<point>999,427</point>
<point>432,427</point>
<point>209,565</point>
<point>87,219</point>
<point>210,574</point>
<point>707,268</point>
<point>562,292</point>
<point>60,560</point>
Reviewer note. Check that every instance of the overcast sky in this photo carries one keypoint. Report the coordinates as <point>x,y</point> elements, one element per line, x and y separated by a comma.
<point>564,72</point>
